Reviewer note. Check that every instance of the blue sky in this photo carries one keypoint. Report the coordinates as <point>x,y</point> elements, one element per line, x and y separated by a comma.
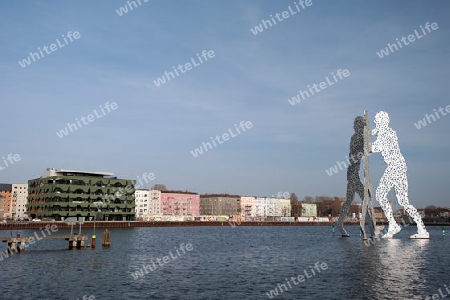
<point>154,129</point>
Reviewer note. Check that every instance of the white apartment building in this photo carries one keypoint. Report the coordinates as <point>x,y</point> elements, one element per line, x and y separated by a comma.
<point>261,208</point>
<point>285,207</point>
<point>155,202</point>
<point>147,203</point>
<point>271,207</point>
<point>19,198</point>
<point>247,203</point>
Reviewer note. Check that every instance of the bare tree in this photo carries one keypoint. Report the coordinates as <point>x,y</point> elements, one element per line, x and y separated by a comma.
<point>328,205</point>
<point>307,199</point>
<point>355,208</point>
<point>436,211</point>
<point>295,206</point>
<point>159,187</point>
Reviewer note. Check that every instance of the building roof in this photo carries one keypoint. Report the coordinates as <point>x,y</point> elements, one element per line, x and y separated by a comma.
<point>219,195</point>
<point>67,172</point>
<point>178,192</point>
<point>5,187</point>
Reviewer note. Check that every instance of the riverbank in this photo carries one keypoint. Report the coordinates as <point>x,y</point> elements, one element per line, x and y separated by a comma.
<point>129,224</point>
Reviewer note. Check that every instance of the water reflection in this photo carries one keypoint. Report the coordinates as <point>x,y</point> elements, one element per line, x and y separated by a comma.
<point>393,269</point>
<point>231,263</point>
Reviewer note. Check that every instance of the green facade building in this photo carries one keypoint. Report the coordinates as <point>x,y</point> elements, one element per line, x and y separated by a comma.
<point>61,193</point>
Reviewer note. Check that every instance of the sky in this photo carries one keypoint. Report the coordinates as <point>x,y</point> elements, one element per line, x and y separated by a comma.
<point>249,77</point>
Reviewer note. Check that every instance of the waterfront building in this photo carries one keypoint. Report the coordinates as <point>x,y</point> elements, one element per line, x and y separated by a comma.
<point>147,204</point>
<point>309,210</point>
<point>285,207</point>
<point>379,214</point>
<point>220,204</point>
<point>2,207</point>
<point>155,202</point>
<point>247,203</point>
<point>19,200</point>
<point>180,203</point>
<point>61,193</point>
<point>141,199</point>
<point>261,208</point>
<point>6,192</point>
<point>269,208</point>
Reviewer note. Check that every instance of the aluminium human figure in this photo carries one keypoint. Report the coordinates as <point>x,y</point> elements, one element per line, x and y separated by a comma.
<point>394,177</point>
<point>354,184</point>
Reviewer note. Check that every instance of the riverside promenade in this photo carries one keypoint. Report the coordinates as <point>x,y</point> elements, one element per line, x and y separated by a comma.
<point>129,224</point>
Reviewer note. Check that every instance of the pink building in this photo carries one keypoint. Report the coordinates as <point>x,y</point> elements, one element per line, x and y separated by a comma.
<point>180,204</point>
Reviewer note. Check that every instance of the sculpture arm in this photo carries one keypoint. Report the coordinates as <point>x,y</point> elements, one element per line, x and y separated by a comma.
<point>375,146</point>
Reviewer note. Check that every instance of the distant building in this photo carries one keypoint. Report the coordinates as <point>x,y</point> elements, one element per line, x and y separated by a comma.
<point>268,208</point>
<point>147,203</point>
<point>247,203</point>
<point>309,210</point>
<point>154,204</point>
<point>220,205</point>
<point>2,207</point>
<point>61,193</point>
<point>356,208</point>
<point>180,203</point>
<point>6,192</point>
<point>379,214</point>
<point>421,212</point>
<point>142,197</point>
<point>19,200</point>
<point>285,207</point>
<point>260,208</point>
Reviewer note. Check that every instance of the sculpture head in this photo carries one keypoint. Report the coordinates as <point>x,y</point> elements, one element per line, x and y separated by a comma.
<point>358,124</point>
<point>381,121</point>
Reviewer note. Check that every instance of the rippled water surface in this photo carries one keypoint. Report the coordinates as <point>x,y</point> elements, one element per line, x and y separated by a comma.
<point>230,263</point>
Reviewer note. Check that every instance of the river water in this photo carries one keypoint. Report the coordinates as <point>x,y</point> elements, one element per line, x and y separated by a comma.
<point>229,263</point>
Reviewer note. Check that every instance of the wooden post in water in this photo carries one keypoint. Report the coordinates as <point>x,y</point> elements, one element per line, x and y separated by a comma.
<point>106,238</point>
<point>12,247</point>
<point>76,241</point>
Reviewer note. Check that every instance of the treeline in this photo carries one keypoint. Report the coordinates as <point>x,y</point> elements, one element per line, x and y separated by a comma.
<point>436,211</point>
<point>326,205</point>
<point>163,189</point>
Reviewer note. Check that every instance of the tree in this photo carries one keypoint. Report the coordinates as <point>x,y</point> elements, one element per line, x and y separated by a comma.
<point>159,187</point>
<point>355,209</point>
<point>308,199</point>
<point>328,205</point>
<point>295,206</point>
<point>436,211</point>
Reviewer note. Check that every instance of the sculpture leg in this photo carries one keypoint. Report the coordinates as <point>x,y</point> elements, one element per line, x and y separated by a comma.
<point>340,222</point>
<point>364,212</point>
<point>370,212</point>
<point>344,210</point>
<point>402,196</point>
<point>362,221</point>
<point>381,195</point>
